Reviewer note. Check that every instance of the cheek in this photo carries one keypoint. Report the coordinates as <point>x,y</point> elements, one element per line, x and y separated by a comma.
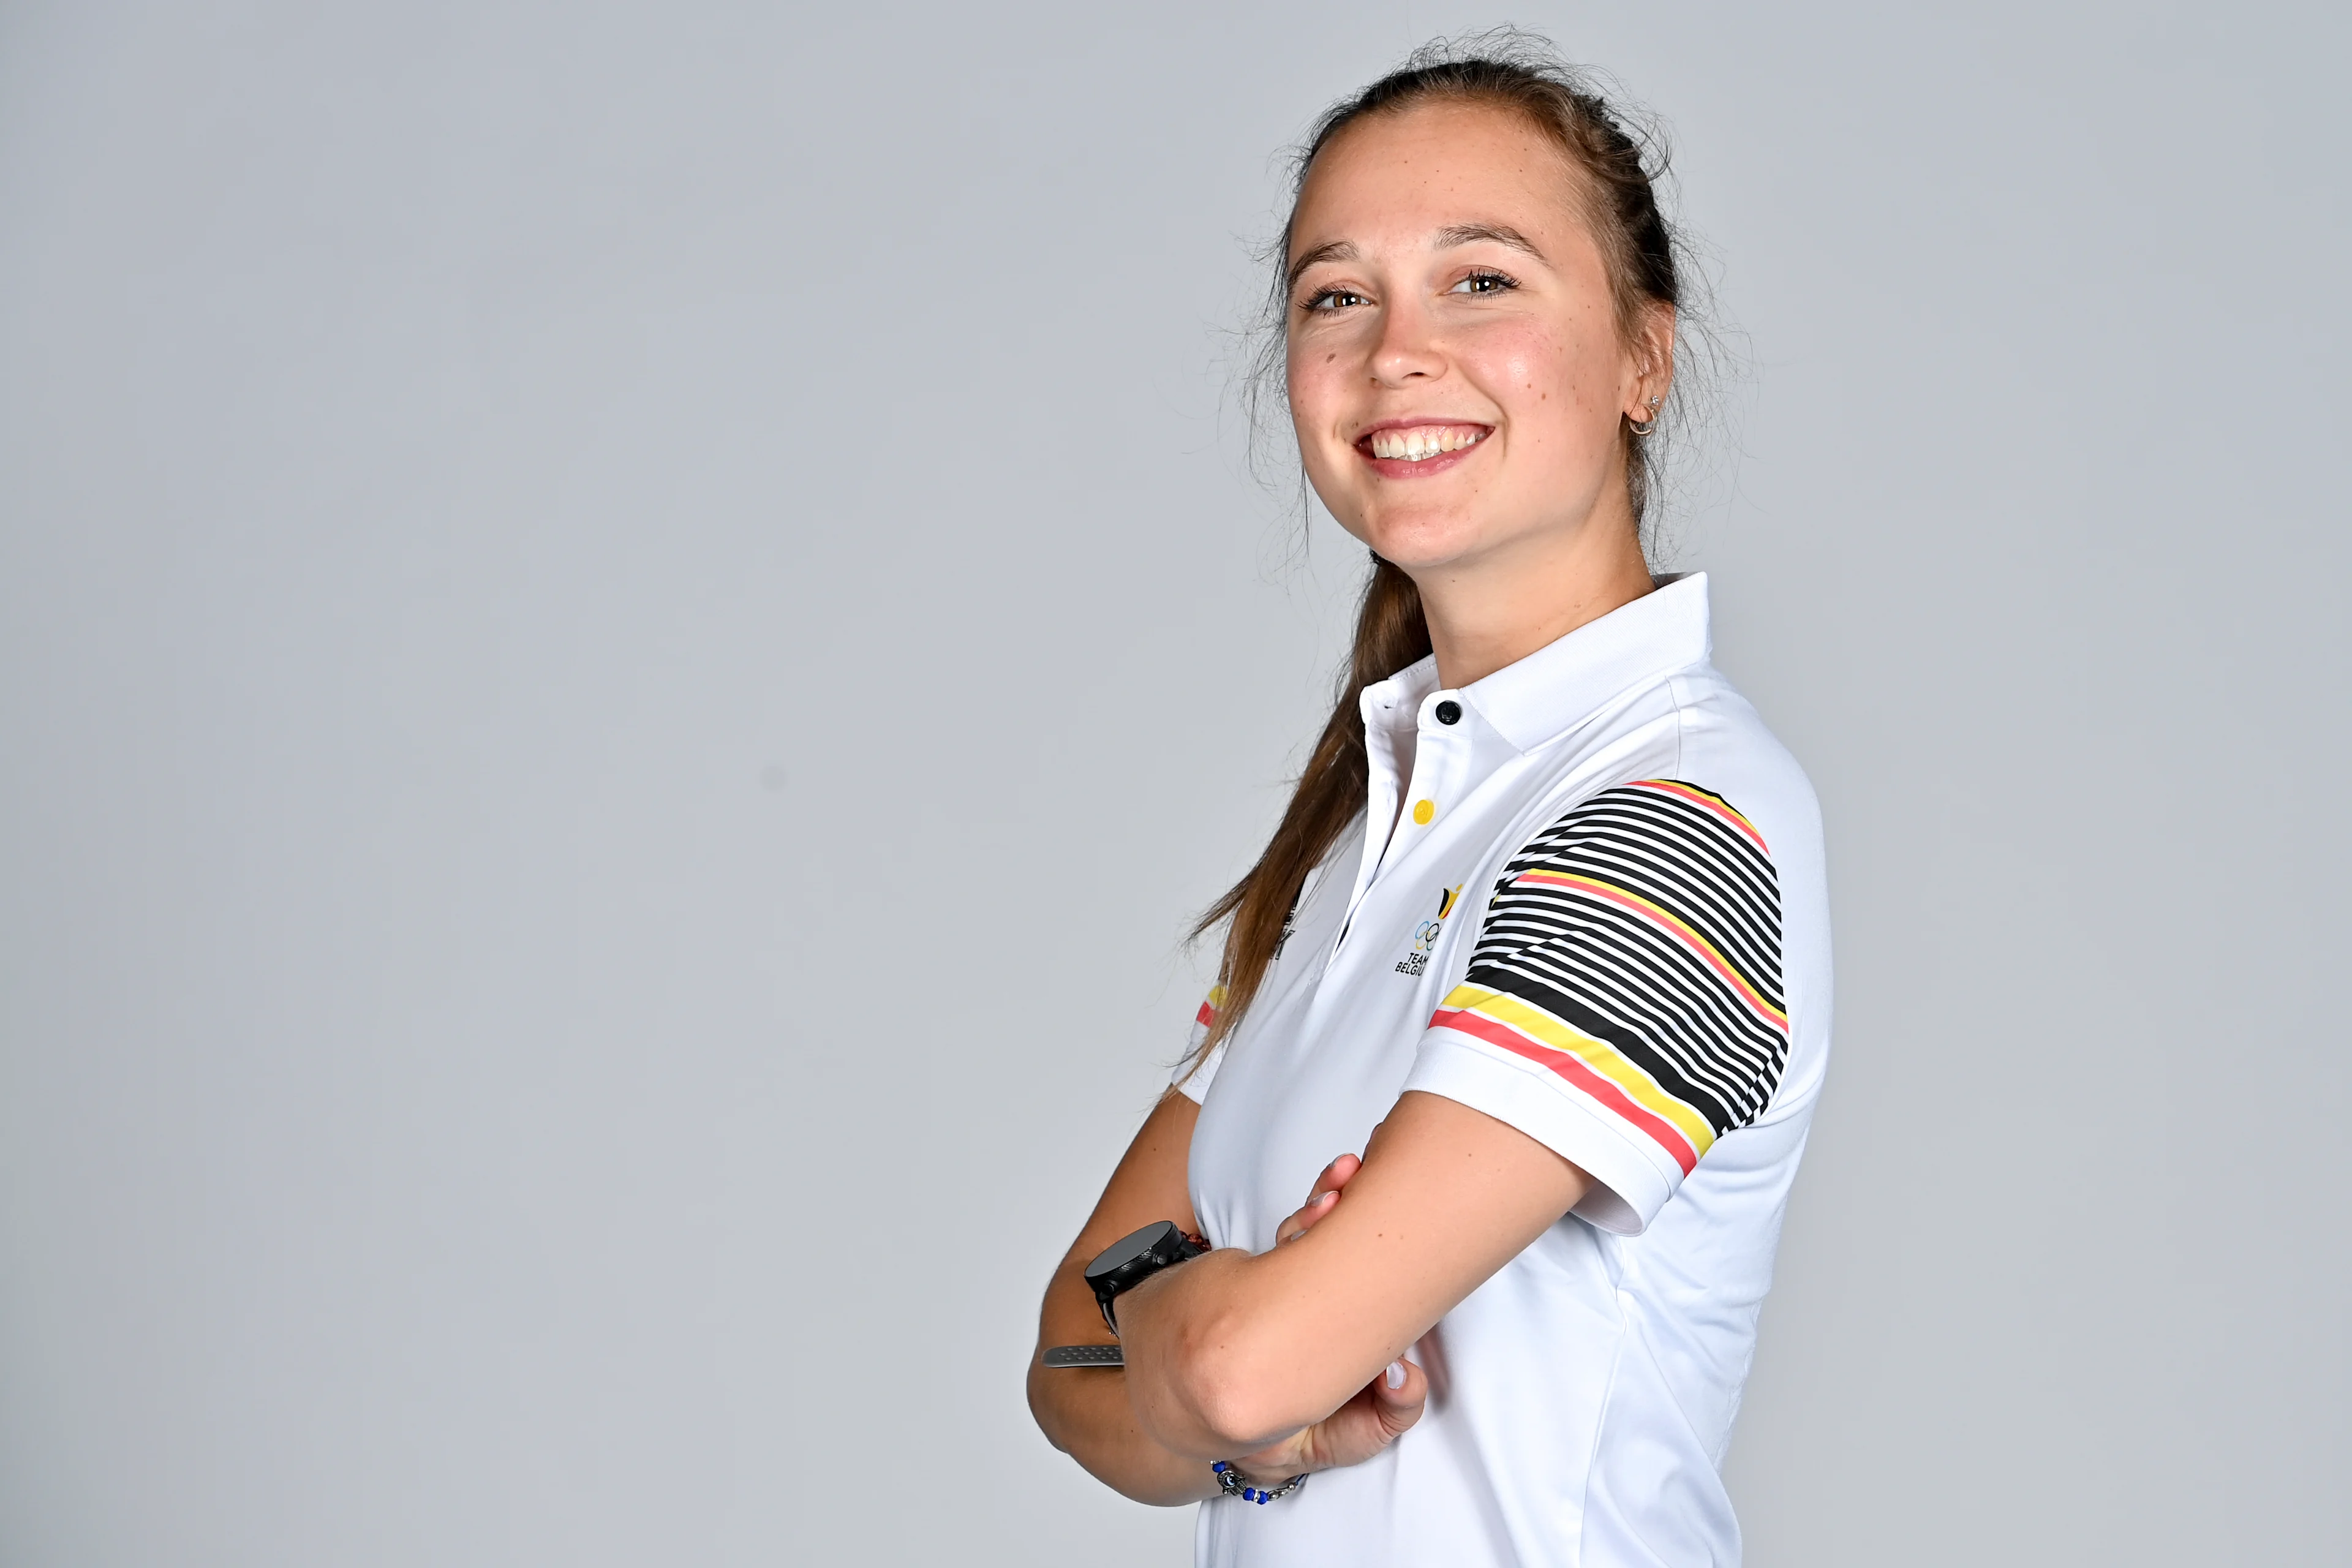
<point>1553,384</point>
<point>1308,377</point>
<point>1318,388</point>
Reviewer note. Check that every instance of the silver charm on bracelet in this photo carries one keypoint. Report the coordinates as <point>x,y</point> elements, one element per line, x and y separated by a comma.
<point>1229,1480</point>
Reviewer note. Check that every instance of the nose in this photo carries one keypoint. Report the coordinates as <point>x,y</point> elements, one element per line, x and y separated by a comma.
<point>1408,348</point>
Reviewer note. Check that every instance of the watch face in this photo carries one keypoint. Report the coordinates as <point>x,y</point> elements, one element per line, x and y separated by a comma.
<point>1131,1260</point>
<point>1158,1236</point>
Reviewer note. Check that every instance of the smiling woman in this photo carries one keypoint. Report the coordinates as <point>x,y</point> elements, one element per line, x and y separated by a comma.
<point>1541,1052</point>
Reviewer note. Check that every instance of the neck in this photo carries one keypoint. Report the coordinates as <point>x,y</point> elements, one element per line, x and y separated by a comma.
<point>1495,611</point>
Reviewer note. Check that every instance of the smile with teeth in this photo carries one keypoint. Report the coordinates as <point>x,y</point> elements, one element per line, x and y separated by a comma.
<point>1419,443</point>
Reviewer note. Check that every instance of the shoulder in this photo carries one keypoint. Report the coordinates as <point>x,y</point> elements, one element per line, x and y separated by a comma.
<point>1669,816</point>
<point>1669,862</point>
<point>1724,743</point>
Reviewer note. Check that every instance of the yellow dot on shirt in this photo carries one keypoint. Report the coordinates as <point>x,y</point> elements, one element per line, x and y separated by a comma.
<point>1422,810</point>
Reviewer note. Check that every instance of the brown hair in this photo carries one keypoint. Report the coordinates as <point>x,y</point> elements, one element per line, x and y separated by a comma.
<point>1520,72</point>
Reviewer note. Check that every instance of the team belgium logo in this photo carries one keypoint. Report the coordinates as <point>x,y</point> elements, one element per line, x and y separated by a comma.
<point>1425,935</point>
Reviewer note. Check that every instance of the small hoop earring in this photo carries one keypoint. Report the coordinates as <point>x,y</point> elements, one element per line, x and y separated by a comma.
<point>1642,427</point>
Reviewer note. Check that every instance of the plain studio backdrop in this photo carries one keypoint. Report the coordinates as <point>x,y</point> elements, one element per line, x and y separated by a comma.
<point>627,633</point>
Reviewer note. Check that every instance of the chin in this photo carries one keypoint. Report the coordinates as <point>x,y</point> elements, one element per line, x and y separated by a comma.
<point>1424,542</point>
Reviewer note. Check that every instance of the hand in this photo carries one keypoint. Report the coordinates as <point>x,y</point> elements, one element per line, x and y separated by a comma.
<point>1378,1414</point>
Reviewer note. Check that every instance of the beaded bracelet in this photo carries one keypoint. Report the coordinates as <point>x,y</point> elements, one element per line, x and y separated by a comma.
<point>1229,1481</point>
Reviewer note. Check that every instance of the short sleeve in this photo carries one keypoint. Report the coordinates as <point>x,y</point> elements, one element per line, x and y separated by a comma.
<point>1624,1005</point>
<point>1194,1072</point>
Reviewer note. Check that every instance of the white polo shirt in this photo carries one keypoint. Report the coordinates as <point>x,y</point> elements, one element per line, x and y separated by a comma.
<point>1601,916</point>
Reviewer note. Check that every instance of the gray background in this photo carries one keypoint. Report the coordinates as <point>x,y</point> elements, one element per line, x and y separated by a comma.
<point>626,633</point>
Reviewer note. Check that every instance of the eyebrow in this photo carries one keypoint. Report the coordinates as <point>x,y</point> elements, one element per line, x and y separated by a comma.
<point>1331,251</point>
<point>1446,239</point>
<point>1497,233</point>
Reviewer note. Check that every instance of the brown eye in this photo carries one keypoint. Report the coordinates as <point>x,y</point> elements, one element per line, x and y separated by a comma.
<point>1330,299</point>
<point>1483,283</point>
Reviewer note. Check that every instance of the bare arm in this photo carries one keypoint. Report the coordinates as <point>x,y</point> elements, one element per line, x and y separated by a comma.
<point>1088,1412</point>
<point>1084,1411</point>
<point>1232,1353</point>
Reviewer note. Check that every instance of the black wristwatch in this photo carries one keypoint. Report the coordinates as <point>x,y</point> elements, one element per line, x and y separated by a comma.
<point>1118,1268</point>
<point>1131,1260</point>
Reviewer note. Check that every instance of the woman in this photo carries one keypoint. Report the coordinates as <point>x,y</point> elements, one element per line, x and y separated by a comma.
<point>1543,935</point>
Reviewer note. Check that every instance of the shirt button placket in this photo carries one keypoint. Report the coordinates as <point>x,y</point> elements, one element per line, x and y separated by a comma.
<point>1439,777</point>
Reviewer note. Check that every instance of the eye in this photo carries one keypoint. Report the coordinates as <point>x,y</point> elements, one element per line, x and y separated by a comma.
<point>1329,301</point>
<point>1485,283</point>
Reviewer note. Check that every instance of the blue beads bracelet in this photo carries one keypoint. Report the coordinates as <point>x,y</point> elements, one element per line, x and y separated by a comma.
<point>1229,1480</point>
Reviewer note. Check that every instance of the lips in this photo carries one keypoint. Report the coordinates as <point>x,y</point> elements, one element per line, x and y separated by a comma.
<point>1410,448</point>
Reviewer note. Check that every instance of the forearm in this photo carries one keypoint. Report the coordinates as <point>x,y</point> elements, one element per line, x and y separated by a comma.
<point>1085,1412</point>
<point>1233,1352</point>
<point>1221,1359</point>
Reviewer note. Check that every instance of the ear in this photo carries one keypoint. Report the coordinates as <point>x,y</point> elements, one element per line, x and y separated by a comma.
<point>1651,360</point>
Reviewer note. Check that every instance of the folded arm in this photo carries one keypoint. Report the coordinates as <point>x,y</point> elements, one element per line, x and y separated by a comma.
<point>1085,1411</point>
<point>1091,1413</point>
<point>1231,1354</point>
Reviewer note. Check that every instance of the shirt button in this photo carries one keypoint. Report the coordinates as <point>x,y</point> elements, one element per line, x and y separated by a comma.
<point>1422,810</point>
<point>1449,711</point>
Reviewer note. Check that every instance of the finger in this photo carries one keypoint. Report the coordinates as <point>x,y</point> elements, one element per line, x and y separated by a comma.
<point>1320,1202</point>
<point>1334,1176</point>
<point>1370,1422</point>
<point>1326,1193</point>
<point>1399,1396</point>
<point>1277,1461</point>
<point>1302,1220</point>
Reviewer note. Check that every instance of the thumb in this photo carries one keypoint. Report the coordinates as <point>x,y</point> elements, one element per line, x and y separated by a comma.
<point>1399,1393</point>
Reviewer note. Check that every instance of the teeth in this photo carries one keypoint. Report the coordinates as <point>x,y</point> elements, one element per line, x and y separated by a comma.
<point>1419,443</point>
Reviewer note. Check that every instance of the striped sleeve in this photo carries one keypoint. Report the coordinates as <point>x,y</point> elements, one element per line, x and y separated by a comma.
<point>1624,1005</point>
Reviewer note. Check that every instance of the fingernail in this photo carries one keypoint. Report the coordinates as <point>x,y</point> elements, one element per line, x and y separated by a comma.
<point>1396,1374</point>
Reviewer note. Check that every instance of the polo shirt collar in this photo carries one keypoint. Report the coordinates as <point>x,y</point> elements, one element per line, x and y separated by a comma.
<point>1518,710</point>
<point>1560,684</point>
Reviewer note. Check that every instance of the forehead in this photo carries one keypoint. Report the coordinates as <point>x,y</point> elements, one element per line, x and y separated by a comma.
<point>1397,178</point>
